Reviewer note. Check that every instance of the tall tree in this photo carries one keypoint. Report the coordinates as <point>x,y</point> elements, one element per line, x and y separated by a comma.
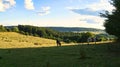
<point>112,23</point>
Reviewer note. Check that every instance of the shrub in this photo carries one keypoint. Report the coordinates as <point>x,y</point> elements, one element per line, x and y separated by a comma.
<point>82,54</point>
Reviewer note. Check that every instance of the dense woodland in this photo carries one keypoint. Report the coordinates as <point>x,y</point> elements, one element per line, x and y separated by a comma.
<point>53,34</point>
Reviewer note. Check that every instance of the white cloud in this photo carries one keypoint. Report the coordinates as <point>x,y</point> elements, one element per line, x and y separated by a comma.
<point>71,8</point>
<point>46,8</point>
<point>97,22</point>
<point>73,20</point>
<point>6,4</point>
<point>11,2</point>
<point>29,4</point>
<point>44,11</point>
<point>1,6</point>
<point>96,19</point>
<point>102,5</point>
<point>98,6</point>
<point>90,20</point>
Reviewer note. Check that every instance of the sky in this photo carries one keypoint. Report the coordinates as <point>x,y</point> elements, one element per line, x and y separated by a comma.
<point>56,13</point>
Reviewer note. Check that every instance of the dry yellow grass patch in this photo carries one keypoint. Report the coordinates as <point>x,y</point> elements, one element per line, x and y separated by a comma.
<point>16,40</point>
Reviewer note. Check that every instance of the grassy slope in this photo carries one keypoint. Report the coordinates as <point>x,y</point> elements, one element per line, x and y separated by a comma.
<point>65,56</point>
<point>16,40</point>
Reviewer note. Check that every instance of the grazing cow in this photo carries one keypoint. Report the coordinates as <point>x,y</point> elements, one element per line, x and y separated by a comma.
<point>58,42</point>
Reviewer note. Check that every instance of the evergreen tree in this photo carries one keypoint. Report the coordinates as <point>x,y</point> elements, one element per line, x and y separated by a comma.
<point>112,23</point>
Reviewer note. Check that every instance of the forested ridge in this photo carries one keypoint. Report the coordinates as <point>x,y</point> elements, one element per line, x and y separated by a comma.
<point>76,29</point>
<point>49,33</point>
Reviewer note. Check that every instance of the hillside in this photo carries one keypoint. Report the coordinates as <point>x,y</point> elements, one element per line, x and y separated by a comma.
<point>76,29</point>
<point>70,29</point>
<point>16,40</point>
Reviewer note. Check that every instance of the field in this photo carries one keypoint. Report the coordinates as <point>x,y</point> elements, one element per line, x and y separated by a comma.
<point>65,56</point>
<point>100,55</point>
<point>16,40</point>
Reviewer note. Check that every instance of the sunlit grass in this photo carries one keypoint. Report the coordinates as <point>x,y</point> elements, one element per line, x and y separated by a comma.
<point>16,40</point>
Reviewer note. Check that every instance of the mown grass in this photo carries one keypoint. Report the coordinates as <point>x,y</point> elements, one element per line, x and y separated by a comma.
<point>65,56</point>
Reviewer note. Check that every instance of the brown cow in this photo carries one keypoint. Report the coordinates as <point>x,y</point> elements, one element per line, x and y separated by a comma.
<point>58,42</point>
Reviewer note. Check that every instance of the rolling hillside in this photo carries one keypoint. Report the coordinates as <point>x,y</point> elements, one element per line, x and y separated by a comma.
<point>76,29</point>
<point>70,29</point>
<point>16,40</point>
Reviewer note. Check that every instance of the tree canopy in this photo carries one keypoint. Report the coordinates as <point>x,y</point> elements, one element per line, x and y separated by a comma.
<point>112,23</point>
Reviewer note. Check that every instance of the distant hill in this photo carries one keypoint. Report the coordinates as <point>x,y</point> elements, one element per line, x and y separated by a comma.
<point>71,29</point>
<point>76,29</point>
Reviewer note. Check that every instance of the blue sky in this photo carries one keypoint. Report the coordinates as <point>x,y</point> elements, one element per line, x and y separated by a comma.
<point>65,13</point>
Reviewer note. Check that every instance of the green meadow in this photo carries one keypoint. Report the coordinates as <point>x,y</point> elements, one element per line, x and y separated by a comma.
<point>64,56</point>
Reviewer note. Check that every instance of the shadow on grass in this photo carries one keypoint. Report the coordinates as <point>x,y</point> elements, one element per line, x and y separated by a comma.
<point>64,56</point>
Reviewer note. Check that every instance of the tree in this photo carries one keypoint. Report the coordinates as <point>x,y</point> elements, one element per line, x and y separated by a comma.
<point>15,29</point>
<point>112,23</point>
<point>2,28</point>
<point>86,35</point>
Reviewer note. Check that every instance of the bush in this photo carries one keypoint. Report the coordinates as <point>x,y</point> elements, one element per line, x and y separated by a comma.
<point>82,54</point>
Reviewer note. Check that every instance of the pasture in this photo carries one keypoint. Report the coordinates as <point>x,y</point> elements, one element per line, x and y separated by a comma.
<point>64,56</point>
<point>18,50</point>
<point>16,40</point>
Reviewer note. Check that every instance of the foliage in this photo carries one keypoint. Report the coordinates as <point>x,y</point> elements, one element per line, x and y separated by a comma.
<point>15,29</point>
<point>2,28</point>
<point>112,23</point>
<point>50,33</point>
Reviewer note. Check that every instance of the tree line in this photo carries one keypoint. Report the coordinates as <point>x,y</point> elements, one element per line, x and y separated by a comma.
<point>52,34</point>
